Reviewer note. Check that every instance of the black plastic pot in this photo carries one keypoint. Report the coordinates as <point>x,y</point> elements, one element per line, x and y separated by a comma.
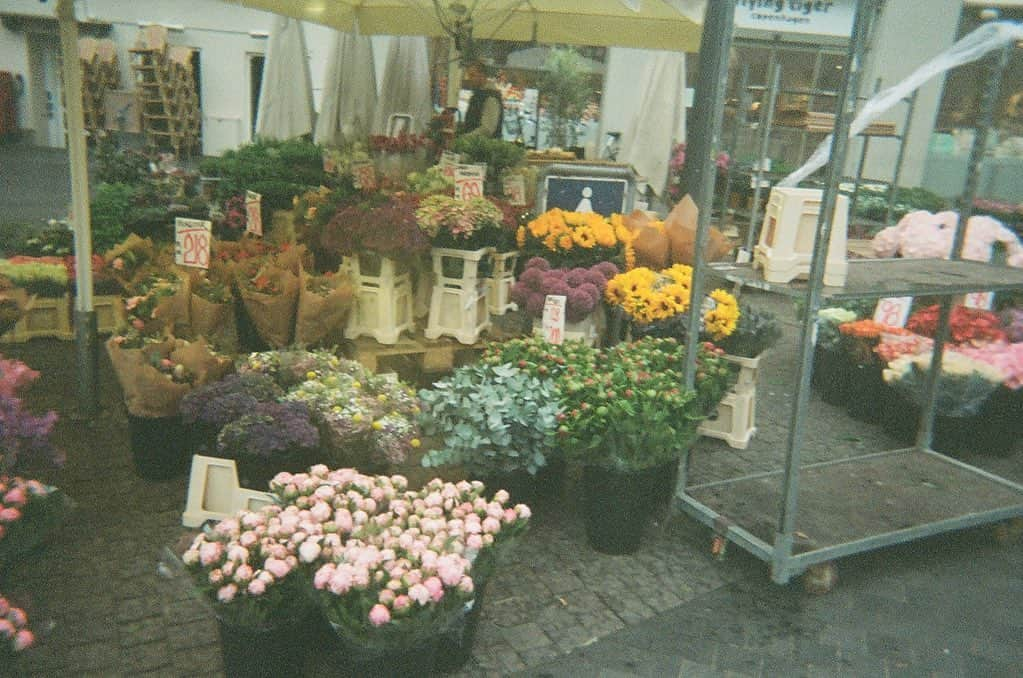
<point>866,393</point>
<point>617,507</point>
<point>262,652</point>
<point>831,376</point>
<point>455,647</point>
<point>159,447</point>
<point>354,660</point>
<point>529,489</point>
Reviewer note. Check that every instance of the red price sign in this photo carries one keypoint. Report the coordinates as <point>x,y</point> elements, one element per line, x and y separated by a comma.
<point>253,213</point>
<point>469,181</point>
<point>893,311</point>
<point>192,242</point>
<point>981,300</point>
<point>553,322</point>
<point>448,161</point>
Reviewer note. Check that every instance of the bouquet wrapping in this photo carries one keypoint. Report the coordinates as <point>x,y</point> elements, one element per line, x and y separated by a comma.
<point>270,298</point>
<point>323,306</point>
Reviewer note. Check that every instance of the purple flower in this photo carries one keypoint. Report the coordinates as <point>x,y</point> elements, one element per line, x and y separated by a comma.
<point>575,277</point>
<point>591,291</point>
<point>520,292</point>
<point>224,401</point>
<point>532,278</point>
<point>538,263</point>
<point>607,269</point>
<point>596,278</point>
<point>534,305</point>
<point>270,429</point>
<point>579,305</point>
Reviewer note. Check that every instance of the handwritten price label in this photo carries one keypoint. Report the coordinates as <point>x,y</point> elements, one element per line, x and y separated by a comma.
<point>448,161</point>
<point>469,181</point>
<point>365,176</point>
<point>253,213</point>
<point>981,300</point>
<point>893,311</point>
<point>515,189</point>
<point>192,242</point>
<point>553,322</point>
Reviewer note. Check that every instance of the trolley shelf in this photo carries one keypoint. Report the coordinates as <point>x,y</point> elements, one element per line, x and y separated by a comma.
<point>856,504</point>
<point>877,278</point>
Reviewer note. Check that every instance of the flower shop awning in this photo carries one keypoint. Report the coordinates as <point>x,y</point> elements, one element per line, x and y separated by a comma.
<point>650,24</point>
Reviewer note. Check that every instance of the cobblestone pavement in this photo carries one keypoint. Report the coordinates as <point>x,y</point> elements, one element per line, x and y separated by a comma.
<point>942,606</point>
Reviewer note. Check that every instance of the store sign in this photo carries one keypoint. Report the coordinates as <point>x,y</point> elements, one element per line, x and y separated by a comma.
<point>253,213</point>
<point>469,181</point>
<point>817,17</point>
<point>586,194</point>
<point>192,242</point>
<point>553,322</point>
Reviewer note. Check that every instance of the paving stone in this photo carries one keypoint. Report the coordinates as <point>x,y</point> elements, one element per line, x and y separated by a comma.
<point>150,630</point>
<point>148,657</point>
<point>527,636</point>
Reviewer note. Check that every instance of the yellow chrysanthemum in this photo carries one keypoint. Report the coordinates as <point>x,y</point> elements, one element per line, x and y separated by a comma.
<point>520,237</point>
<point>583,237</point>
<point>565,242</point>
<point>722,320</point>
<point>604,234</point>
<point>551,242</point>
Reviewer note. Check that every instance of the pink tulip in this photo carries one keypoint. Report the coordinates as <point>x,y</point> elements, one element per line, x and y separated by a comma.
<point>379,615</point>
<point>227,593</point>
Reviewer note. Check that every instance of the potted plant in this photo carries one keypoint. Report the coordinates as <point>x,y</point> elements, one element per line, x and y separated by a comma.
<point>270,438</point>
<point>830,367</point>
<point>208,408</point>
<point>583,289</point>
<point>567,91</point>
<point>212,312</point>
<point>15,635</point>
<point>864,382</point>
<point>497,422</point>
<point>570,239</point>
<point>496,154</point>
<point>251,581</point>
<point>269,294</point>
<point>628,420</point>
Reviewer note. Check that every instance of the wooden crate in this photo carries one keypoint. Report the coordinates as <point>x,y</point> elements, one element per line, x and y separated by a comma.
<point>431,356</point>
<point>109,312</point>
<point>44,317</point>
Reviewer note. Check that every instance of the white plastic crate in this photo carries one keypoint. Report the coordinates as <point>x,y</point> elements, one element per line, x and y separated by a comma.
<point>786,240</point>
<point>383,303</point>
<point>458,306</point>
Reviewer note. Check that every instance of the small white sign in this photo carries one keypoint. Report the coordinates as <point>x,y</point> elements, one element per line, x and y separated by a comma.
<point>893,311</point>
<point>981,300</point>
<point>192,242</point>
<point>253,213</point>
<point>515,189</point>
<point>448,161</point>
<point>553,323</point>
<point>469,181</point>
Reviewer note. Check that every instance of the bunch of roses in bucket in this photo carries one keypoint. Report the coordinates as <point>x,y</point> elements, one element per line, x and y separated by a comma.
<point>391,565</point>
<point>15,635</point>
<point>29,511</point>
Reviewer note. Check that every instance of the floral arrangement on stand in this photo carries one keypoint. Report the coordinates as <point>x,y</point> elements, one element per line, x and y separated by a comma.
<point>963,387</point>
<point>583,288</point>
<point>44,276</point>
<point>575,239</point>
<point>460,224</point>
<point>379,224</point>
<point>656,303</point>
<point>922,234</point>
<point>231,220</point>
<point>397,156</point>
<point>431,181</point>
<point>966,325</point>
<point>363,418</point>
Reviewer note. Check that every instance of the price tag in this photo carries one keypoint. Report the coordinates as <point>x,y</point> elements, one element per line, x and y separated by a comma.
<point>982,300</point>
<point>329,164</point>
<point>515,189</point>
<point>469,181</point>
<point>553,323</point>
<point>365,175</point>
<point>253,213</point>
<point>192,242</point>
<point>893,311</point>
<point>448,161</point>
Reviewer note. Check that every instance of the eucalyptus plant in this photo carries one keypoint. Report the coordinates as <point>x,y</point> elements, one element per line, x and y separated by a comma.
<point>493,419</point>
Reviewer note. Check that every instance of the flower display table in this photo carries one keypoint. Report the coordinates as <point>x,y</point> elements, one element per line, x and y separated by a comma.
<point>500,282</point>
<point>383,298</point>
<point>458,305</point>
<point>588,330</point>
<point>44,317</point>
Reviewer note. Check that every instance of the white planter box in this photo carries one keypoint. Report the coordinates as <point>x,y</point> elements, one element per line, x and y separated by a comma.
<point>383,303</point>
<point>786,240</point>
<point>500,283</point>
<point>734,421</point>
<point>748,369</point>
<point>458,306</point>
<point>588,330</point>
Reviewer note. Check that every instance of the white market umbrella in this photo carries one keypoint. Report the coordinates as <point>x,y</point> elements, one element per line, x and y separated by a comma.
<point>659,121</point>
<point>349,91</point>
<point>535,58</point>
<point>406,86</point>
<point>286,95</point>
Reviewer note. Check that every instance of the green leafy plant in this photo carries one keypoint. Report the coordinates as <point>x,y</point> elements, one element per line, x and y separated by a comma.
<point>115,165</point>
<point>756,332</point>
<point>36,277</point>
<point>277,170</point>
<point>498,155</point>
<point>493,419</point>
<point>112,209</point>
<point>52,241</point>
<point>567,90</point>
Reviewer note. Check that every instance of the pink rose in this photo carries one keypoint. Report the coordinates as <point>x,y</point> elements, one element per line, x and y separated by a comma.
<point>501,496</point>
<point>523,511</point>
<point>402,603</point>
<point>257,587</point>
<point>237,553</point>
<point>491,525</point>
<point>386,596</point>
<point>15,497</point>
<point>227,593</point>
<point>6,629</point>
<point>418,593</point>
<point>322,577</point>
<point>210,552</point>
<point>17,617</point>
<point>277,567</point>
<point>23,639</point>
<point>340,581</point>
<point>247,539</point>
<point>474,541</point>
<point>216,576</point>
<point>118,264</point>
<point>9,515</point>
<point>466,584</point>
<point>321,512</point>
<point>344,521</point>
<point>435,587</point>
<point>379,615</point>
<point>510,516</point>
<point>243,573</point>
<point>309,551</point>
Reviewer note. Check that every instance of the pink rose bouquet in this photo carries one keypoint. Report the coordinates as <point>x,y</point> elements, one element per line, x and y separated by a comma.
<point>923,235</point>
<point>15,635</point>
<point>29,511</point>
<point>1007,358</point>
<point>246,568</point>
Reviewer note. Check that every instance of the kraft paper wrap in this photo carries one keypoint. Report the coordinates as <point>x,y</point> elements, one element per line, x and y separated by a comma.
<point>147,391</point>
<point>680,227</point>
<point>321,319</point>
<point>651,244</point>
<point>273,315</point>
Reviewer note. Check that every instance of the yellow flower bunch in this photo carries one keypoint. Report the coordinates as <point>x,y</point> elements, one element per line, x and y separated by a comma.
<point>721,321</point>
<point>581,238</point>
<point>649,296</point>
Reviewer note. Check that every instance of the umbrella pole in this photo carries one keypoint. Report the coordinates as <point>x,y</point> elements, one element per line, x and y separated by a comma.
<point>86,343</point>
<point>454,75</point>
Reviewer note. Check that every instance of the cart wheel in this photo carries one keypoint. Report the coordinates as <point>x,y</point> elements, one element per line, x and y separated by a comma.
<point>1008,531</point>
<point>820,578</point>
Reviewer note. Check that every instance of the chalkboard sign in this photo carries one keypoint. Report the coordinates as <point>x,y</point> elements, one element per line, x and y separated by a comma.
<point>584,188</point>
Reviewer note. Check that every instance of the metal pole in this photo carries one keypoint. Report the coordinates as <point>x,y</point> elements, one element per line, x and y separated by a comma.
<point>766,121</point>
<point>739,123</point>
<point>863,159</point>
<point>844,112</point>
<point>86,343</point>
<point>987,113</point>
<point>890,211</point>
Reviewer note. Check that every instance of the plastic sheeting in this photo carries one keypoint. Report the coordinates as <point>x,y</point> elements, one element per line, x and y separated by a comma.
<point>648,140</point>
<point>349,91</point>
<point>983,40</point>
<point>286,95</point>
<point>406,85</point>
